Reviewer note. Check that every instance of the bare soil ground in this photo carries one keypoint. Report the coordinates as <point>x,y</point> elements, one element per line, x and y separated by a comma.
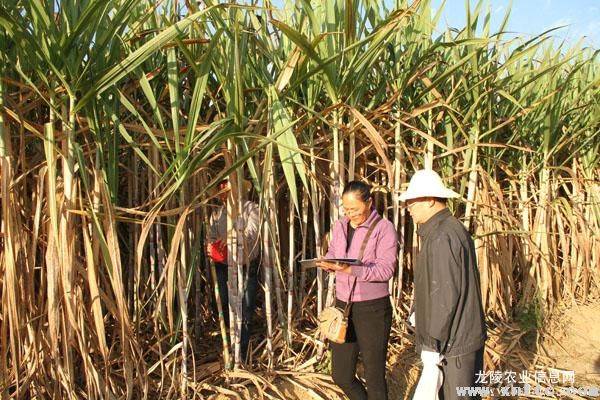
<point>573,342</point>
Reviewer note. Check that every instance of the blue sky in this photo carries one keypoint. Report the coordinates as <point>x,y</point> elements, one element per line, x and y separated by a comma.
<point>531,17</point>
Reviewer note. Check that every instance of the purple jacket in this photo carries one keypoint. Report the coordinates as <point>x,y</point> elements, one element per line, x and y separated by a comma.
<point>378,261</point>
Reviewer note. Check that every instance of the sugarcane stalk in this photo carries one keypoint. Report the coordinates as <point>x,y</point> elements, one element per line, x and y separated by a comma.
<point>398,212</point>
<point>221,313</point>
<point>238,264</point>
<point>132,283</point>
<point>201,235</point>
<point>277,262</point>
<point>182,292</point>
<point>291,263</point>
<point>66,230</point>
<point>317,228</point>
<point>351,156</point>
<point>336,191</point>
<point>4,138</point>
<point>234,226</point>
<point>9,269</point>
<point>429,149</point>
<point>304,250</point>
<point>336,182</point>
<point>268,272</point>
<point>524,205</point>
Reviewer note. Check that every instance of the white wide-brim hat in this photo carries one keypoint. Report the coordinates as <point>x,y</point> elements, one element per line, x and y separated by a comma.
<point>427,183</point>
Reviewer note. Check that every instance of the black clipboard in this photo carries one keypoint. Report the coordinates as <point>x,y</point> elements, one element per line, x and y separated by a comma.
<point>312,262</point>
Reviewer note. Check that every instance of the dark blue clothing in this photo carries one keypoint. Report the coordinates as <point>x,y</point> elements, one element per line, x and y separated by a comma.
<point>248,304</point>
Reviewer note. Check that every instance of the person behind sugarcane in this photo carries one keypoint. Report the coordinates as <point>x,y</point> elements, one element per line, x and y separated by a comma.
<point>217,250</point>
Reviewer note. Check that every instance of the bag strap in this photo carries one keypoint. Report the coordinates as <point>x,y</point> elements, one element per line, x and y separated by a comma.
<point>363,246</point>
<point>361,252</point>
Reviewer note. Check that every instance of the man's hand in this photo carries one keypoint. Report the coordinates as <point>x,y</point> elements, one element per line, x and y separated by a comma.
<point>431,376</point>
<point>431,357</point>
<point>217,251</point>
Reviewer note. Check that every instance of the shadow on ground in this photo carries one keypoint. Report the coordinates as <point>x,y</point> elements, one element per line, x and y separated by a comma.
<point>404,370</point>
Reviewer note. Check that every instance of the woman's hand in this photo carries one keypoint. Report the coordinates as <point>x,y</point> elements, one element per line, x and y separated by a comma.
<point>334,266</point>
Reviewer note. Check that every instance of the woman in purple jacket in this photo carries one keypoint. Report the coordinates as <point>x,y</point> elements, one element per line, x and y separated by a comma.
<point>366,286</point>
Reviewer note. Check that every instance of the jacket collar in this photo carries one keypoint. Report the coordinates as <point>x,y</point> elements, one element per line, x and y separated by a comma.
<point>432,224</point>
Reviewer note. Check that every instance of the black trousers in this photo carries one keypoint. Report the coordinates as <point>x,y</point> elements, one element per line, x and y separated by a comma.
<point>460,371</point>
<point>368,334</point>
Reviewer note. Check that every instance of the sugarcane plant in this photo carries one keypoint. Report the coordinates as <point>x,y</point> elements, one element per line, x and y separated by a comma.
<point>119,118</point>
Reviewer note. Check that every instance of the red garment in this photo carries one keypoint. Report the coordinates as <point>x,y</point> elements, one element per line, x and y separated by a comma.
<point>218,251</point>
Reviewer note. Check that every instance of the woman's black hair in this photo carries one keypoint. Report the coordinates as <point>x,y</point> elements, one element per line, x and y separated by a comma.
<point>360,189</point>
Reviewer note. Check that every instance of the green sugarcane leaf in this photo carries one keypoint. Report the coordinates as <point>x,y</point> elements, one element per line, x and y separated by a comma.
<point>291,160</point>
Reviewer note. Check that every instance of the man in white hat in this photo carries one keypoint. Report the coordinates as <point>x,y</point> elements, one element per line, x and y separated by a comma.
<point>449,320</point>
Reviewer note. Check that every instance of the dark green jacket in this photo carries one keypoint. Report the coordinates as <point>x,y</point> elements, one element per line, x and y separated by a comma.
<point>449,315</point>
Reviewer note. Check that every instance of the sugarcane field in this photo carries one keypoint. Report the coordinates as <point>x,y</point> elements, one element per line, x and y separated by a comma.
<point>188,188</point>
